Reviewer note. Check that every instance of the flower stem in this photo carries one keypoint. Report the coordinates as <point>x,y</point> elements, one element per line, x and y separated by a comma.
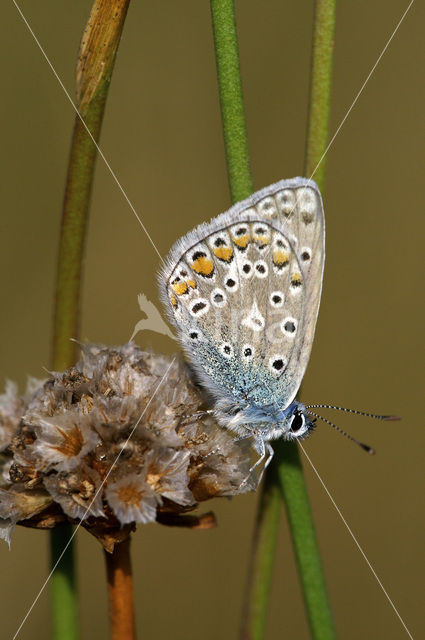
<point>284,477</point>
<point>120,591</point>
<point>94,69</point>
<point>62,586</point>
<point>231,101</point>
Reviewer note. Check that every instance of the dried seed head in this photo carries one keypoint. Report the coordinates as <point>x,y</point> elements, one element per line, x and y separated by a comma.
<point>122,437</point>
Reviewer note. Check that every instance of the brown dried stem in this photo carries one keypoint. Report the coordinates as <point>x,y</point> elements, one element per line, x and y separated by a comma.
<point>120,592</point>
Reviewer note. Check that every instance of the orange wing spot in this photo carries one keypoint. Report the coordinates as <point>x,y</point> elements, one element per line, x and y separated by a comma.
<point>280,258</point>
<point>191,283</point>
<point>203,265</point>
<point>180,288</point>
<point>173,301</point>
<point>224,253</point>
<point>296,280</point>
<point>242,241</point>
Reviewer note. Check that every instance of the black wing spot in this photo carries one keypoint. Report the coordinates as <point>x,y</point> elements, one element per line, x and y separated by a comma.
<point>198,254</point>
<point>198,307</point>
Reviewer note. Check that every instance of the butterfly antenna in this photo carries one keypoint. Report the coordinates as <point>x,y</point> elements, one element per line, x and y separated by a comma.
<point>359,413</point>
<point>344,433</point>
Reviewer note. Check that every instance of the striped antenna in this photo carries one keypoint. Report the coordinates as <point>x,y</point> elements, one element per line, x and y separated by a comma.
<point>359,413</point>
<point>344,433</point>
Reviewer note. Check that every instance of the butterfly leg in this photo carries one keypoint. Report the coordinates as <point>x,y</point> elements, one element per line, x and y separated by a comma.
<point>270,452</point>
<point>263,449</point>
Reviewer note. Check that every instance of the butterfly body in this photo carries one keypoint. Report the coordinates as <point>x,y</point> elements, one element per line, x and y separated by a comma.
<point>243,292</point>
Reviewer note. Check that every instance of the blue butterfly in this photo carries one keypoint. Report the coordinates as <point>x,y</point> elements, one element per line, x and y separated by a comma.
<point>243,292</point>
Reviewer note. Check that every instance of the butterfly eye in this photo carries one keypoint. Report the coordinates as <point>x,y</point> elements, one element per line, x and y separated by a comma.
<point>298,422</point>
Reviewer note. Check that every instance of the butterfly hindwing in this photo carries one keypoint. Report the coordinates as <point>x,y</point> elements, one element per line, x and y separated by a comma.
<point>244,292</point>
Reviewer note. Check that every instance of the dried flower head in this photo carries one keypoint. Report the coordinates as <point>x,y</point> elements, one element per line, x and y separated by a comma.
<point>122,437</point>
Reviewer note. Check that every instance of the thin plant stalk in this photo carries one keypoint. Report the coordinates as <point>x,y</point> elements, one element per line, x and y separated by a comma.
<point>120,592</point>
<point>231,100</point>
<point>320,91</point>
<point>307,552</point>
<point>260,569</point>
<point>287,454</point>
<point>94,69</point>
<point>284,478</point>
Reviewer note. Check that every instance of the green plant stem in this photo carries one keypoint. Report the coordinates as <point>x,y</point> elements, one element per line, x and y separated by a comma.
<point>287,456</point>
<point>284,478</point>
<point>320,91</point>
<point>307,552</point>
<point>73,232</point>
<point>97,56</point>
<point>257,588</point>
<point>63,585</point>
<point>231,101</point>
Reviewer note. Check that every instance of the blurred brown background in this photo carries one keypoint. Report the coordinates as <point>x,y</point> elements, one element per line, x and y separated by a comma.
<point>162,136</point>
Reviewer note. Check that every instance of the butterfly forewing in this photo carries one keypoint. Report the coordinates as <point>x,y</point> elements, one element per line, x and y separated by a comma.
<point>244,292</point>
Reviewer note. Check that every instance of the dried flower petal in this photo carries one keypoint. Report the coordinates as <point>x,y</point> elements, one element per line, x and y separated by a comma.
<point>77,493</point>
<point>6,530</point>
<point>5,464</point>
<point>132,499</point>
<point>11,409</point>
<point>20,504</point>
<point>62,441</point>
<point>166,473</point>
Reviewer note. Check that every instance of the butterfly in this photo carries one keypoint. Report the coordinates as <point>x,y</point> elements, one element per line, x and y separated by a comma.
<point>243,292</point>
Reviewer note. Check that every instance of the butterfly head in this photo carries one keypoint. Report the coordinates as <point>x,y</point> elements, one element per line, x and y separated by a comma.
<point>298,423</point>
<point>266,423</point>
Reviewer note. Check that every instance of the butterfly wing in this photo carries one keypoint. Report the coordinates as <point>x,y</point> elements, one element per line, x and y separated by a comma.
<point>244,293</point>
